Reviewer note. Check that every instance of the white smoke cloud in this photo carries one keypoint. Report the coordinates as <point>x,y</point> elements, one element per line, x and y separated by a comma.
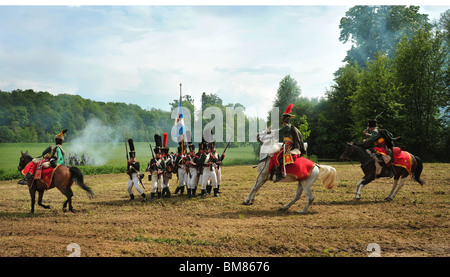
<point>94,141</point>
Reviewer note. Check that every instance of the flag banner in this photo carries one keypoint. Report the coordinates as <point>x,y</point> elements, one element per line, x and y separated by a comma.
<point>179,121</point>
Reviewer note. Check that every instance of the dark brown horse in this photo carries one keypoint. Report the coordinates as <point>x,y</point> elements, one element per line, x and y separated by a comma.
<point>355,151</point>
<point>63,179</point>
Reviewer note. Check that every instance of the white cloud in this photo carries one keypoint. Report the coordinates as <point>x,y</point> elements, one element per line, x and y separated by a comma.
<point>140,54</point>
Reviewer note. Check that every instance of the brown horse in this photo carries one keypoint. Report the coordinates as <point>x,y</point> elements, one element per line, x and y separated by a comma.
<point>354,150</point>
<point>63,179</point>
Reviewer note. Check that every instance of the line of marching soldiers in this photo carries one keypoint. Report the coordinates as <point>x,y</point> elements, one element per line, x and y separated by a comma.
<point>191,168</point>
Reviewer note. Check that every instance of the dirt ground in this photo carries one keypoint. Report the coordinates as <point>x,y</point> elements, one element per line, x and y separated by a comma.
<point>414,224</point>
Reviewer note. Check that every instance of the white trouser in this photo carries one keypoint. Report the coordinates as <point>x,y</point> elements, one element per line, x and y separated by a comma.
<point>219,175</point>
<point>192,178</point>
<point>134,180</point>
<point>209,174</point>
<point>182,176</point>
<point>166,178</point>
<point>157,181</point>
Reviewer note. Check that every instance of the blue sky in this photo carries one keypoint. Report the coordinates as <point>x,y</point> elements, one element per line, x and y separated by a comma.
<point>140,54</point>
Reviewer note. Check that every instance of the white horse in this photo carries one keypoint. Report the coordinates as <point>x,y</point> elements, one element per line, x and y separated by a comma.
<point>269,147</point>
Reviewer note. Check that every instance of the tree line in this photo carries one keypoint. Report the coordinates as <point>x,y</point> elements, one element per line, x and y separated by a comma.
<point>396,70</point>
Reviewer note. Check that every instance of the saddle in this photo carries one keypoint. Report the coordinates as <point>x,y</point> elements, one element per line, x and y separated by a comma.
<point>44,172</point>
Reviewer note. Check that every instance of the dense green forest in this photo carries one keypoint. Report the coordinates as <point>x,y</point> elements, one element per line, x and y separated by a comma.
<point>397,69</point>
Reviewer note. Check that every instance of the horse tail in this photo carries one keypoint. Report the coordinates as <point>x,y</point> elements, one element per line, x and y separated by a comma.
<point>418,171</point>
<point>77,176</point>
<point>327,174</point>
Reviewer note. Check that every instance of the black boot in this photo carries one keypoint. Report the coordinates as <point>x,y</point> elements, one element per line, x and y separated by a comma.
<point>278,174</point>
<point>189,193</point>
<point>182,191</point>
<point>203,194</point>
<point>167,192</point>
<point>131,197</point>
<point>177,190</point>
<point>159,194</point>
<point>216,191</point>
<point>208,189</point>
<point>152,196</point>
<point>144,197</point>
<point>194,192</point>
<point>25,180</point>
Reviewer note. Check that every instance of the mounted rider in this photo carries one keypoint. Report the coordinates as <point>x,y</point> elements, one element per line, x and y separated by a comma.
<point>52,156</point>
<point>292,147</point>
<point>380,143</point>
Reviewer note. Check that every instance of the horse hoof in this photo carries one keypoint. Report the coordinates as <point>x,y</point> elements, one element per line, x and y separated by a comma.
<point>247,203</point>
<point>388,199</point>
<point>357,199</point>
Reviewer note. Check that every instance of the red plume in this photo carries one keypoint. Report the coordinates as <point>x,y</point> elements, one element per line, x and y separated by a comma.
<point>289,109</point>
<point>165,136</point>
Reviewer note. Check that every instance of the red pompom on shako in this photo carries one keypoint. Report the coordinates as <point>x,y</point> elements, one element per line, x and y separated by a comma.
<point>165,136</point>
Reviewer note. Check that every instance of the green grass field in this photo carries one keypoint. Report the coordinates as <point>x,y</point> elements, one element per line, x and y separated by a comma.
<point>113,154</point>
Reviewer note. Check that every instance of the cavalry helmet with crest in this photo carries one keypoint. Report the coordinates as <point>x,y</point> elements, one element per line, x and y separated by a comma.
<point>288,114</point>
<point>59,138</point>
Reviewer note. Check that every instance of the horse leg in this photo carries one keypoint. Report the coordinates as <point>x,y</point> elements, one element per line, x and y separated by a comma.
<point>390,196</point>
<point>401,182</point>
<point>296,197</point>
<point>260,181</point>
<point>68,193</point>
<point>251,196</point>
<point>309,196</point>
<point>33,196</point>
<point>41,194</point>
<point>359,188</point>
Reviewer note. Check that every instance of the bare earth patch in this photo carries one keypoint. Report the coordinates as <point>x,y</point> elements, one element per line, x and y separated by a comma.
<point>414,224</point>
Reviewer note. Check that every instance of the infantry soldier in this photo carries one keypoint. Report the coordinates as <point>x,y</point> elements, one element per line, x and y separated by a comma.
<point>209,171</point>
<point>219,165</point>
<point>157,167</point>
<point>201,157</point>
<point>133,167</point>
<point>52,156</point>
<point>167,175</point>
<point>192,162</point>
<point>180,167</point>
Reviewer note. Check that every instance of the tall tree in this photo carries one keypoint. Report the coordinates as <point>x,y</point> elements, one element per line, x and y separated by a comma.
<point>420,69</point>
<point>288,92</point>
<point>376,95</point>
<point>374,29</point>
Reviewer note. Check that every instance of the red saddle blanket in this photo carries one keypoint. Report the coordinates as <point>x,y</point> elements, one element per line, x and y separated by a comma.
<point>402,159</point>
<point>39,172</point>
<point>46,175</point>
<point>299,167</point>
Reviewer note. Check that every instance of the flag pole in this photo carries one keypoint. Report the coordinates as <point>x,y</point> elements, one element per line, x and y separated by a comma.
<point>182,135</point>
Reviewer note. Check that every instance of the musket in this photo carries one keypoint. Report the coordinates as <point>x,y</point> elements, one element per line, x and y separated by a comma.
<point>151,149</point>
<point>226,146</point>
